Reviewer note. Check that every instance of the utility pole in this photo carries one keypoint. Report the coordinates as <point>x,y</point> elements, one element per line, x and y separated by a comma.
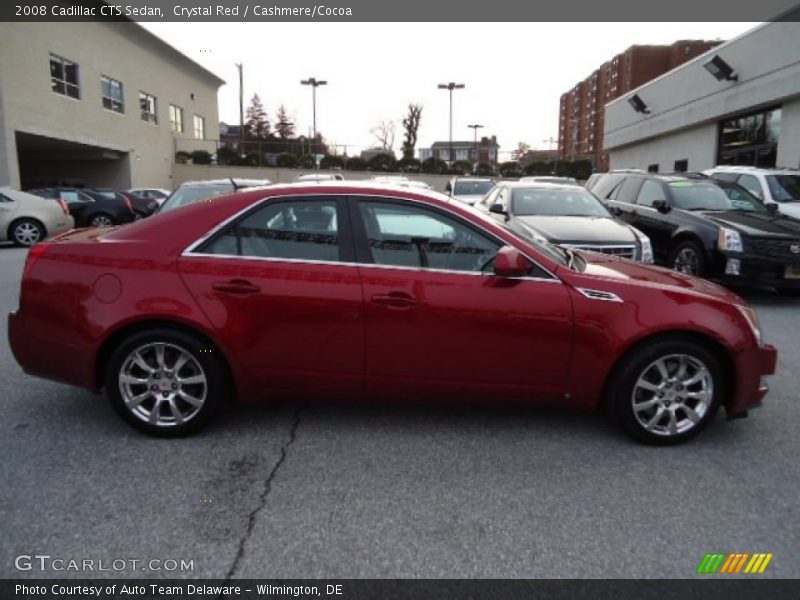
<point>550,142</point>
<point>241,110</point>
<point>450,87</point>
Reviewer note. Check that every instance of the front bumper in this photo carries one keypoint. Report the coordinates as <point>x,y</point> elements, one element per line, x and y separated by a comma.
<point>755,270</point>
<point>752,367</point>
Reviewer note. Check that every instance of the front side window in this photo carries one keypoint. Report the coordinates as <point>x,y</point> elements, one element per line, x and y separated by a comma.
<point>295,230</point>
<point>199,127</point>
<point>147,106</point>
<point>175,118</point>
<point>111,91</point>
<point>410,236</point>
<point>751,184</point>
<point>64,77</point>
<point>651,192</point>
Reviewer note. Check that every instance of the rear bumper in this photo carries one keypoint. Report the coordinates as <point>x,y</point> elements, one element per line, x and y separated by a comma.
<point>753,367</point>
<point>46,357</point>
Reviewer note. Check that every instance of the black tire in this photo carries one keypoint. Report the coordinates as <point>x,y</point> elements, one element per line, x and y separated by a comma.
<point>679,258</point>
<point>640,366</point>
<point>26,232</point>
<point>104,216</point>
<point>203,362</point>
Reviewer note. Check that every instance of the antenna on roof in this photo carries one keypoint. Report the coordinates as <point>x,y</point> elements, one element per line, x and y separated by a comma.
<point>236,186</point>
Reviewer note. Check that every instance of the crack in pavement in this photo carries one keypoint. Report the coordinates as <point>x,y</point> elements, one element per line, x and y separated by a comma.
<point>262,498</point>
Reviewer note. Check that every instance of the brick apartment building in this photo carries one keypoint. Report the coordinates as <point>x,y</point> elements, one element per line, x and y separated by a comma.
<point>582,109</point>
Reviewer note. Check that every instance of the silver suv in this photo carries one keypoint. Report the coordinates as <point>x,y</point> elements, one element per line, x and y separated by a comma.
<point>772,186</point>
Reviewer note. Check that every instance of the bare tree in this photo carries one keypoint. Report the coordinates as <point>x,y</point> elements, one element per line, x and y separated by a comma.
<point>411,126</point>
<point>384,133</point>
<point>521,150</point>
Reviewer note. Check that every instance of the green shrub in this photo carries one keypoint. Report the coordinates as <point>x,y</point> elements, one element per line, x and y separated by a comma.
<point>287,159</point>
<point>433,165</point>
<point>382,162</point>
<point>510,169</point>
<point>331,162</point>
<point>461,167</point>
<point>201,157</point>
<point>182,156</point>
<point>306,161</point>
<point>409,165</point>
<point>355,164</point>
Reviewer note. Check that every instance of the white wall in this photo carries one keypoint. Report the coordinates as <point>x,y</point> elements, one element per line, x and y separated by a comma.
<point>698,145</point>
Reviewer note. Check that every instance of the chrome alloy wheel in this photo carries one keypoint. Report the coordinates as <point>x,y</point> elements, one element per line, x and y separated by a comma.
<point>687,261</point>
<point>672,394</point>
<point>27,233</point>
<point>162,384</point>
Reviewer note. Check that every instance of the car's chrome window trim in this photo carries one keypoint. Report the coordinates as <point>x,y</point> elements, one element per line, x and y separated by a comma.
<point>189,250</point>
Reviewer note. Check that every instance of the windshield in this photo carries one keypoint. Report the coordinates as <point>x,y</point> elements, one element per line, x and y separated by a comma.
<point>572,202</point>
<point>184,196</point>
<point>472,188</point>
<point>784,188</point>
<point>701,195</point>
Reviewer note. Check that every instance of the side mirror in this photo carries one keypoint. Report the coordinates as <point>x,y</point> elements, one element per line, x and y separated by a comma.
<point>615,210</point>
<point>510,262</point>
<point>498,209</point>
<point>448,188</point>
<point>772,207</point>
<point>662,206</point>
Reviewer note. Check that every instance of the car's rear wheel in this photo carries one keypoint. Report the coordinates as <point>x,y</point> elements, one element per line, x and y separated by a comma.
<point>101,220</point>
<point>667,392</point>
<point>165,382</point>
<point>688,257</point>
<point>26,232</point>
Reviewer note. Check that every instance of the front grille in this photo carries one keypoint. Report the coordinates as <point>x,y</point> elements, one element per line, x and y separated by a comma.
<point>621,251</point>
<point>781,249</point>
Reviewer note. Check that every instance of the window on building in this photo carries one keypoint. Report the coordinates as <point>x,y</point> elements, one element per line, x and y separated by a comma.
<point>175,118</point>
<point>64,77</point>
<point>111,91</point>
<point>462,154</point>
<point>147,105</point>
<point>750,139</point>
<point>682,165</point>
<point>199,127</point>
<point>652,168</point>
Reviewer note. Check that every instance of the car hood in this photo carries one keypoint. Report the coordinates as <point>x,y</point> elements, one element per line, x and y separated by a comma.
<point>467,198</point>
<point>609,267</point>
<point>579,229</point>
<point>758,224</point>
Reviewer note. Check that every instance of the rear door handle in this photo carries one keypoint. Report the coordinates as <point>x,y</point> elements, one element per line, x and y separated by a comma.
<point>395,300</point>
<point>238,287</point>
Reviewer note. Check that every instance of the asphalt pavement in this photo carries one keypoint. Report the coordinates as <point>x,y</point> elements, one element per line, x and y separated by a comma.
<point>367,491</point>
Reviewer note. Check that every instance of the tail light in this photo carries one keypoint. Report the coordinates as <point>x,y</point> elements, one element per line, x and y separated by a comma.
<point>64,206</point>
<point>128,202</point>
<point>34,254</point>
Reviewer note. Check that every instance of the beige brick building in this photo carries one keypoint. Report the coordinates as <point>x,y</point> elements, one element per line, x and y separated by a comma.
<point>98,104</point>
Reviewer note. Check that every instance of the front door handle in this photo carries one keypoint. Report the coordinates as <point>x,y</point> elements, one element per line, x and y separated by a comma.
<point>238,287</point>
<point>395,300</point>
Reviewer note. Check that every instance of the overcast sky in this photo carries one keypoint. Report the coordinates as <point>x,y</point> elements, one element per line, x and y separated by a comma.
<point>514,73</point>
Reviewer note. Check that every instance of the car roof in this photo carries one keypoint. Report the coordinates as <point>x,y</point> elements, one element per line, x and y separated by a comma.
<point>749,169</point>
<point>228,181</point>
<point>544,185</point>
<point>366,185</point>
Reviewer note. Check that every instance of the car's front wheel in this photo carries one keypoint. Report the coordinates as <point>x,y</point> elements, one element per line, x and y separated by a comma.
<point>165,382</point>
<point>688,257</point>
<point>668,391</point>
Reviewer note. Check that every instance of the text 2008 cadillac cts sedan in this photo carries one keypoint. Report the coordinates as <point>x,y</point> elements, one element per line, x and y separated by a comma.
<point>349,291</point>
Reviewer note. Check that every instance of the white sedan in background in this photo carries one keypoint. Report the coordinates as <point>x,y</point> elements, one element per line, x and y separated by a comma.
<point>26,219</point>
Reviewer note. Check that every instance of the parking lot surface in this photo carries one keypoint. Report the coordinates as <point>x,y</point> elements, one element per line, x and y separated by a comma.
<point>323,490</point>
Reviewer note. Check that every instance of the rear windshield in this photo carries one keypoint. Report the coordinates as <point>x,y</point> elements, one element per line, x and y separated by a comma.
<point>701,195</point>
<point>569,202</point>
<point>784,188</point>
<point>472,188</point>
<point>191,194</point>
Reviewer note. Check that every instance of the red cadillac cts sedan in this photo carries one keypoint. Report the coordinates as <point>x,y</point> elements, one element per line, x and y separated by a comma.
<point>352,291</point>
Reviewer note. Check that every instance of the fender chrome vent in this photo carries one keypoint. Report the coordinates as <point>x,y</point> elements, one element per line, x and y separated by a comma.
<point>600,295</point>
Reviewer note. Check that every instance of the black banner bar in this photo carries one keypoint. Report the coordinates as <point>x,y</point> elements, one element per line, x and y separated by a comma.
<point>730,588</point>
<point>445,11</point>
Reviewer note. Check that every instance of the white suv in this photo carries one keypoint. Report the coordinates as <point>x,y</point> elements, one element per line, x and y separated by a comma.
<point>772,186</point>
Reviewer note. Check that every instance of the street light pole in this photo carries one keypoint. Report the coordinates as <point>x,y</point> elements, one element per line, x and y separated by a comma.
<point>550,141</point>
<point>241,110</point>
<point>450,87</point>
<point>475,128</point>
<point>314,83</point>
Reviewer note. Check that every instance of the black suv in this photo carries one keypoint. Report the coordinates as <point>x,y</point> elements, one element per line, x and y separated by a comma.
<point>90,208</point>
<point>707,228</point>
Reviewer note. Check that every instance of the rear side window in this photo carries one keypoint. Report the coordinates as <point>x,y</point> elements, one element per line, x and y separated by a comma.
<point>5,198</point>
<point>606,185</point>
<point>295,230</point>
<point>725,176</point>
